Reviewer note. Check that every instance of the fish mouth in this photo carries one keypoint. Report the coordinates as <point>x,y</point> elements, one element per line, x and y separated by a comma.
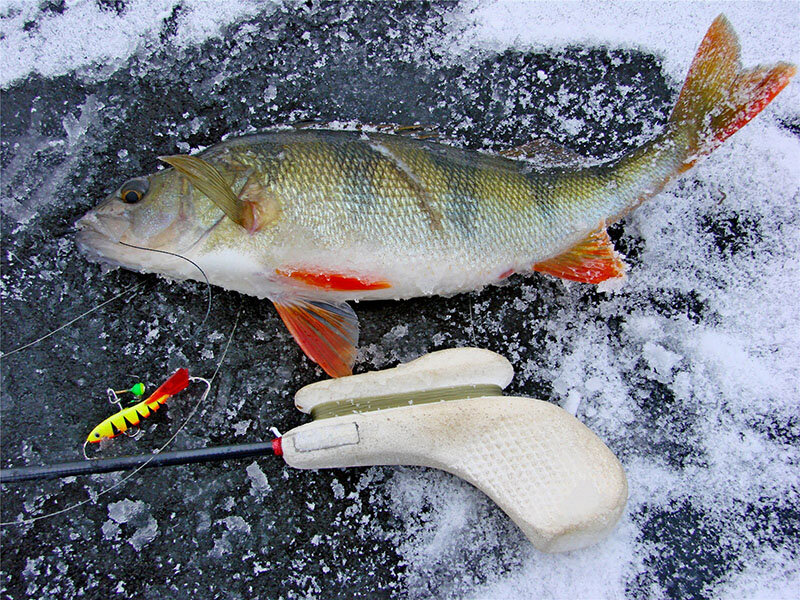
<point>108,239</point>
<point>98,238</point>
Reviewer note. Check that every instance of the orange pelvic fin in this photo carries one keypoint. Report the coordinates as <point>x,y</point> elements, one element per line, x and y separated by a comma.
<point>719,97</point>
<point>327,332</point>
<point>591,261</point>
<point>334,281</point>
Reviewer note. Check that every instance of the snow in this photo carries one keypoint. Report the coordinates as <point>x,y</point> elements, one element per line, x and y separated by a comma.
<point>688,369</point>
<point>85,36</point>
<point>671,29</point>
<point>136,514</point>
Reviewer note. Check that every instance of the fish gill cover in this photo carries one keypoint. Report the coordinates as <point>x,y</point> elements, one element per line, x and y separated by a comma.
<point>689,371</point>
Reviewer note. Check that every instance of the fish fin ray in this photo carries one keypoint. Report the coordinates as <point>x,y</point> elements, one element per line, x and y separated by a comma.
<point>719,97</point>
<point>545,153</point>
<point>417,131</point>
<point>327,332</point>
<point>592,260</point>
<point>206,178</point>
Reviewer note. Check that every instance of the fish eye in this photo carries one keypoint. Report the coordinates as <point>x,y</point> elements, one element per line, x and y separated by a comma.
<point>134,190</point>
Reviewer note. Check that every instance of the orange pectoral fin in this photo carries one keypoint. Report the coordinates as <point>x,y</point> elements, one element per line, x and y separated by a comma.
<point>327,332</point>
<point>334,281</point>
<point>591,261</point>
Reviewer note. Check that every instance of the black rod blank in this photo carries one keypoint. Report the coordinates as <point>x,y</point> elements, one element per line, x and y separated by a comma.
<point>124,463</point>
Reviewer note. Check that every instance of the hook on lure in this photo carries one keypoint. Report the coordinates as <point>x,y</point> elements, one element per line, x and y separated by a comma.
<point>127,418</point>
<point>114,398</point>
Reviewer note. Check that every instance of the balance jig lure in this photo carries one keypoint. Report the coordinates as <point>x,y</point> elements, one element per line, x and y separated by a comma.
<point>132,416</point>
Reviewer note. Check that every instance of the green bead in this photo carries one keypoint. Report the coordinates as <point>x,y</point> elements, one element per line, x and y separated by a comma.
<point>138,389</point>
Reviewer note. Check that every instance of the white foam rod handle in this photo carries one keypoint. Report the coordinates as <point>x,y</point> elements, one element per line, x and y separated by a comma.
<point>558,482</point>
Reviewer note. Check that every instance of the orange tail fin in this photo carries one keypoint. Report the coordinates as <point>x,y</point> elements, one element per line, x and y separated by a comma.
<point>719,97</point>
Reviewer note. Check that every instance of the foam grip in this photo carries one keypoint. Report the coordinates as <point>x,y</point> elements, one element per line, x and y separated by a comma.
<point>555,478</point>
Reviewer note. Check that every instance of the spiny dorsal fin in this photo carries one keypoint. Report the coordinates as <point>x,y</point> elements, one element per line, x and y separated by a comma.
<point>546,154</point>
<point>592,260</point>
<point>206,178</point>
<point>416,131</point>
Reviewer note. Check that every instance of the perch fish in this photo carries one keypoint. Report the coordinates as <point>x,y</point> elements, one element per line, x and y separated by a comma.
<point>314,218</point>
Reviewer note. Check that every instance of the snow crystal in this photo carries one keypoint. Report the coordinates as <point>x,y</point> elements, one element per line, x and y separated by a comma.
<point>661,360</point>
<point>241,427</point>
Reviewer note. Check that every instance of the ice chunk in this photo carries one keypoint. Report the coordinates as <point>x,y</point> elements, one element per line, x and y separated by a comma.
<point>258,480</point>
<point>237,524</point>
<point>125,510</point>
<point>135,514</point>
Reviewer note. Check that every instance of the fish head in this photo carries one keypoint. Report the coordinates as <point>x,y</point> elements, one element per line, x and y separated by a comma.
<point>153,212</point>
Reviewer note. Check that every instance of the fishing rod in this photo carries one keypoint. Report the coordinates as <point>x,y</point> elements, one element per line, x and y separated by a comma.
<point>546,470</point>
<point>146,461</point>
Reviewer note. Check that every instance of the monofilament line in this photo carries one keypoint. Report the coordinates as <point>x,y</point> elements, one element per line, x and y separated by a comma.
<point>68,323</point>
<point>208,284</point>
<point>157,451</point>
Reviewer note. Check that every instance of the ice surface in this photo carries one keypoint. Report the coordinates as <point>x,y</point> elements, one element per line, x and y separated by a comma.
<point>689,370</point>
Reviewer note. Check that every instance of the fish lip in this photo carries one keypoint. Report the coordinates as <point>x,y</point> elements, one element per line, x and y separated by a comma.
<point>97,241</point>
<point>111,227</point>
<point>89,243</point>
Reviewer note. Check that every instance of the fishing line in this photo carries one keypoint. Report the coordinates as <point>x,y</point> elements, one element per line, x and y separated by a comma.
<point>122,293</point>
<point>193,379</point>
<point>68,323</point>
<point>208,284</point>
<point>127,477</point>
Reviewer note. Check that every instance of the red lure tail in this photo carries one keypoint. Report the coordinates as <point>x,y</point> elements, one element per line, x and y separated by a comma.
<point>177,383</point>
<point>719,97</point>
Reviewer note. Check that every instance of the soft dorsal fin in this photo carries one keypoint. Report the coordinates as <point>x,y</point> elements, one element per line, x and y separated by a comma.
<point>206,178</point>
<point>326,331</point>
<point>416,131</point>
<point>592,260</point>
<point>545,153</point>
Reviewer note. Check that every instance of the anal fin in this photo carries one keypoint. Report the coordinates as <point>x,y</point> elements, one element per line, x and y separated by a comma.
<point>327,332</point>
<point>592,260</point>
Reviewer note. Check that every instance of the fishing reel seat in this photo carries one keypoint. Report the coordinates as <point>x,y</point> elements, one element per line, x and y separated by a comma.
<point>555,478</point>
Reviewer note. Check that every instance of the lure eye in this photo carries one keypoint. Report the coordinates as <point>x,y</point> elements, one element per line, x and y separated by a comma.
<point>97,435</point>
<point>134,190</point>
